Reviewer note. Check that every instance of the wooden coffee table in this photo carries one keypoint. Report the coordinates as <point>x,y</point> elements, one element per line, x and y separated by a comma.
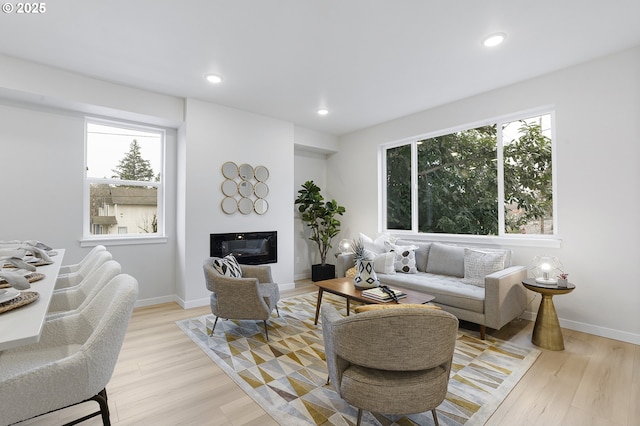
<point>344,287</point>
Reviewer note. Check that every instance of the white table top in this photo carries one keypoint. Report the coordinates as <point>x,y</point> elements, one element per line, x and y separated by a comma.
<point>23,325</point>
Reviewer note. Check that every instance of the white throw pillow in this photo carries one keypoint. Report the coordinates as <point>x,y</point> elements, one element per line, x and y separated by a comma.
<point>384,263</point>
<point>228,266</point>
<point>479,264</point>
<point>376,246</point>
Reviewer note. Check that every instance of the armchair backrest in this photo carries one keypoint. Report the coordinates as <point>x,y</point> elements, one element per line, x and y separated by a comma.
<point>402,339</point>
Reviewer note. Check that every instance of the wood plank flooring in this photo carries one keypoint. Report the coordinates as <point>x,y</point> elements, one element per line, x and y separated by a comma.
<point>163,379</point>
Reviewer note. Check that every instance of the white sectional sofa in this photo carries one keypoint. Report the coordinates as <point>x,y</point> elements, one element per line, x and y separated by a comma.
<point>475,284</point>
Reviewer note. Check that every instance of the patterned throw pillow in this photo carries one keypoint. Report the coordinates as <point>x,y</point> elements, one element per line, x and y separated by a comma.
<point>479,264</point>
<point>405,260</point>
<point>228,266</point>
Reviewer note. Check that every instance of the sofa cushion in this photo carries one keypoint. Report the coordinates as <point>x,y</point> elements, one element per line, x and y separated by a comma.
<point>478,264</point>
<point>447,290</point>
<point>446,260</point>
<point>376,246</point>
<point>228,266</point>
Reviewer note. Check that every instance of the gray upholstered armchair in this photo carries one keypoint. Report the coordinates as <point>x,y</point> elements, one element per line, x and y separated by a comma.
<point>252,297</point>
<point>392,361</point>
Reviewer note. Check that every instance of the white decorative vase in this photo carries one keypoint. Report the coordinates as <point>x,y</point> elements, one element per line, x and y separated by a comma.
<point>366,276</point>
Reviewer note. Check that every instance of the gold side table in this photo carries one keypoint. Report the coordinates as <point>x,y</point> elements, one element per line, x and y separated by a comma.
<point>546,331</point>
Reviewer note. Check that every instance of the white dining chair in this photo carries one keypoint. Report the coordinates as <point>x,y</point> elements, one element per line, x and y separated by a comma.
<point>67,269</point>
<point>74,278</point>
<point>66,301</point>
<point>74,360</point>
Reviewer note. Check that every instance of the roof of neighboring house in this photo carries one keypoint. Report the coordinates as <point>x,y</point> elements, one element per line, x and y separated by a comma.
<point>134,196</point>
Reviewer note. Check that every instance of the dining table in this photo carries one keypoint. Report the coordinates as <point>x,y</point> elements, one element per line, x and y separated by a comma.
<point>23,325</point>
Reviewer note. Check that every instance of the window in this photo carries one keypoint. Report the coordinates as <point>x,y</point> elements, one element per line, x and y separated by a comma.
<point>492,179</point>
<point>123,185</point>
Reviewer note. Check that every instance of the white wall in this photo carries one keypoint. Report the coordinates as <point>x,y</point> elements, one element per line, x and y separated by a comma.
<point>41,174</point>
<point>597,127</point>
<point>214,135</point>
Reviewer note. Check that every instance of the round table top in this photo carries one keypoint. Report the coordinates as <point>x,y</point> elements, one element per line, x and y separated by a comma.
<point>532,285</point>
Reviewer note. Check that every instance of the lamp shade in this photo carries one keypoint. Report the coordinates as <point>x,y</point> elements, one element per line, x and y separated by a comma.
<point>547,269</point>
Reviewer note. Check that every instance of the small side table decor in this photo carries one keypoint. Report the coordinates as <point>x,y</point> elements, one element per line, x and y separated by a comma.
<point>546,331</point>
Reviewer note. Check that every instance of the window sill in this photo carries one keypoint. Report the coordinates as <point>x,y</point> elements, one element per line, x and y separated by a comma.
<point>122,241</point>
<point>493,240</point>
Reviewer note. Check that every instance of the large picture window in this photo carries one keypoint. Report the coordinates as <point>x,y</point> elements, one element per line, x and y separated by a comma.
<point>493,179</point>
<point>123,185</point>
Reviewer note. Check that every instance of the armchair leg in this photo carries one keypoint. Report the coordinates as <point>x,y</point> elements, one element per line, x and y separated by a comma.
<point>359,416</point>
<point>214,326</point>
<point>277,311</point>
<point>266,330</point>
<point>435,417</point>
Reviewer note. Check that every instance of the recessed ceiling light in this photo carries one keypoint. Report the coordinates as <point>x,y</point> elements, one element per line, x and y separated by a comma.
<point>323,111</point>
<point>213,78</point>
<point>493,39</point>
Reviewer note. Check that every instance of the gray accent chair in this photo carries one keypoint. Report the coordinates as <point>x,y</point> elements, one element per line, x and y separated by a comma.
<point>392,361</point>
<point>252,297</point>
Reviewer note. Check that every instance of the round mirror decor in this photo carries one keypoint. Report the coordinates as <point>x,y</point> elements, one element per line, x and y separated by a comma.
<point>261,190</point>
<point>245,205</point>
<point>229,205</point>
<point>260,206</point>
<point>243,188</point>
<point>262,173</point>
<point>230,170</point>
<point>246,171</point>
<point>229,188</point>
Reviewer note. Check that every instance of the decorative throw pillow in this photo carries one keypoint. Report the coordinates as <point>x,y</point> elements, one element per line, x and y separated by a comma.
<point>384,263</point>
<point>446,259</point>
<point>376,246</point>
<point>405,260</point>
<point>228,266</point>
<point>479,264</point>
<point>367,308</point>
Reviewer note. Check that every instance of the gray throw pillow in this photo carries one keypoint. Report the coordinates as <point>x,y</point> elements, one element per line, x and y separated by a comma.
<point>446,260</point>
<point>478,264</point>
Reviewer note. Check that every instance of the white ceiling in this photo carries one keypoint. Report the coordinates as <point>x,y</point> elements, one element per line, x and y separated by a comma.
<point>367,61</point>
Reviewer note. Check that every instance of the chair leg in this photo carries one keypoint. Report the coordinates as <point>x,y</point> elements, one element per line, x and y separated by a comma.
<point>359,416</point>
<point>277,311</point>
<point>214,326</point>
<point>435,417</point>
<point>266,330</point>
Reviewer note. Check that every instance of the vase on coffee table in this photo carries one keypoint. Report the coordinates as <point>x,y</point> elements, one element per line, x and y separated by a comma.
<point>366,276</point>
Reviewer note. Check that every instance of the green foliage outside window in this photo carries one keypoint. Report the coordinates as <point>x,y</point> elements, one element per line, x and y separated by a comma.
<point>458,181</point>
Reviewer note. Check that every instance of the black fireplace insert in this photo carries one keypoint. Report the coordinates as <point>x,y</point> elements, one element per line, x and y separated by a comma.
<point>249,248</point>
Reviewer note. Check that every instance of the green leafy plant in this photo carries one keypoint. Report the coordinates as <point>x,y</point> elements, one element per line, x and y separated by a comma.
<point>319,215</point>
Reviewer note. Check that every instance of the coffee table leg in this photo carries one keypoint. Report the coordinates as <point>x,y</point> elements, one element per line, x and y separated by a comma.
<point>318,302</point>
<point>348,306</point>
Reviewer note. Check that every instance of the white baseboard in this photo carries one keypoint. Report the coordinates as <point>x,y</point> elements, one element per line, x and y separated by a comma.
<point>596,330</point>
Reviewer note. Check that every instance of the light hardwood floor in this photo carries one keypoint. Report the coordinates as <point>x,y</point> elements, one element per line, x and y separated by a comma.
<point>163,379</point>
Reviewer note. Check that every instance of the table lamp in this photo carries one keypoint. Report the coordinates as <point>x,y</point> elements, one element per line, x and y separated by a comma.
<point>546,267</point>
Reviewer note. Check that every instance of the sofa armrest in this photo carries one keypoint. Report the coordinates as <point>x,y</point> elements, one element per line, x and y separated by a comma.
<point>505,297</point>
<point>344,261</point>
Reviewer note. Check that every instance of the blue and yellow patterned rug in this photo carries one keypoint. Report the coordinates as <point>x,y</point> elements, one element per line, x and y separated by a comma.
<point>287,375</point>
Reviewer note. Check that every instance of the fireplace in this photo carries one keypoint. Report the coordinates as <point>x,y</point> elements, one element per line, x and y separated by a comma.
<point>249,248</point>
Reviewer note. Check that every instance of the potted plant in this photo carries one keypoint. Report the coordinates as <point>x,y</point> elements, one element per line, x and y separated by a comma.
<point>320,216</point>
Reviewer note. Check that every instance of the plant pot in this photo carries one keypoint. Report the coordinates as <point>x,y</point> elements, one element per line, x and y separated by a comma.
<point>323,272</point>
<point>562,282</point>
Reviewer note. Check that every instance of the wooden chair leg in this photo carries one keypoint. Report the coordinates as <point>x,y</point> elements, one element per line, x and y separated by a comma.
<point>435,417</point>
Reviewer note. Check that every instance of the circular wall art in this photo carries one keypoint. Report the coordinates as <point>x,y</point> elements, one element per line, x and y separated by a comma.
<point>244,188</point>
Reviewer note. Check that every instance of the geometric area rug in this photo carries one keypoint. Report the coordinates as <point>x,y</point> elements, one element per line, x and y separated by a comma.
<point>287,375</point>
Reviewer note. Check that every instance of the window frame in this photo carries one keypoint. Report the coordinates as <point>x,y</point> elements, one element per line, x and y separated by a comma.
<point>89,239</point>
<point>502,238</point>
